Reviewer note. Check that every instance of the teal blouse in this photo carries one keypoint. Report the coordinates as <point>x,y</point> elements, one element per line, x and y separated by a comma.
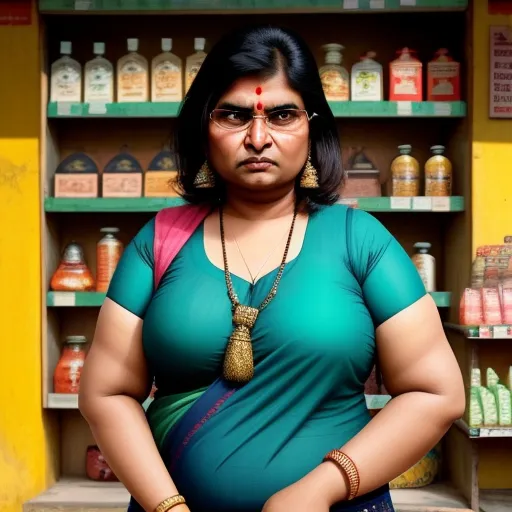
<point>314,349</point>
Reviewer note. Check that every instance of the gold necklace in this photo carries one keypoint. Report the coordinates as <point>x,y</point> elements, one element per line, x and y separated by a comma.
<point>238,360</point>
<point>253,278</point>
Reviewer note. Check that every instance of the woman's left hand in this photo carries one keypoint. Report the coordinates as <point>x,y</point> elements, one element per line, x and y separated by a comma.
<point>315,491</point>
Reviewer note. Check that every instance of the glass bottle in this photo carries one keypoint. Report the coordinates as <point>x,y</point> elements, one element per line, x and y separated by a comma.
<point>66,77</point>
<point>405,173</point>
<point>99,77</point>
<point>334,77</point>
<point>425,263</point>
<point>194,61</point>
<point>132,75</point>
<point>438,173</point>
<point>108,252</point>
<point>166,75</point>
<point>72,274</point>
<point>66,377</point>
<point>366,76</point>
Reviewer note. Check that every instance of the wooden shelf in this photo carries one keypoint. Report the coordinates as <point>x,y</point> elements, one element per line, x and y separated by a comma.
<point>476,332</point>
<point>70,401</point>
<point>154,204</point>
<point>340,109</point>
<point>247,6</point>
<point>81,495</point>
<point>95,299</point>
<point>483,432</point>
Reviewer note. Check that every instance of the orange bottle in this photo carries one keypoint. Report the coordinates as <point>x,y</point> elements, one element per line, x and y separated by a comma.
<point>108,253</point>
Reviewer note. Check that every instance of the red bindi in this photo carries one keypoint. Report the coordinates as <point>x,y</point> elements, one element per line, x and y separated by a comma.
<point>258,90</point>
<point>259,106</point>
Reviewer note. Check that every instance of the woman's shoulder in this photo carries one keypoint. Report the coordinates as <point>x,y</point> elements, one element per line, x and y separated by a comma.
<point>348,216</point>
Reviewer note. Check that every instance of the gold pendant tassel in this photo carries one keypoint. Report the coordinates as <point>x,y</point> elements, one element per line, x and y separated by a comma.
<point>238,360</point>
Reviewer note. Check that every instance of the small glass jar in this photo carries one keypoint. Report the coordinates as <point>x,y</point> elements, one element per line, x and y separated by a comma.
<point>72,274</point>
<point>66,377</point>
<point>405,174</point>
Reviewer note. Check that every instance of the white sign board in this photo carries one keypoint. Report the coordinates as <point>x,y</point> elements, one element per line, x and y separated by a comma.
<point>501,72</point>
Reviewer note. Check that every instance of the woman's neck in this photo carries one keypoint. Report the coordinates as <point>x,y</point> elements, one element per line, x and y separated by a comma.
<point>258,209</point>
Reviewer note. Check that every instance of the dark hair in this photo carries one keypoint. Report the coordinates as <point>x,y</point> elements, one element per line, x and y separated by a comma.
<point>257,51</point>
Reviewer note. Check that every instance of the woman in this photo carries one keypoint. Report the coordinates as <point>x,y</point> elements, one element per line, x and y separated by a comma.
<point>263,329</point>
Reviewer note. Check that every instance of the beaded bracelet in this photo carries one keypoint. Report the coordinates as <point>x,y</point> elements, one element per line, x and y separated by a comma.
<point>169,503</point>
<point>349,468</point>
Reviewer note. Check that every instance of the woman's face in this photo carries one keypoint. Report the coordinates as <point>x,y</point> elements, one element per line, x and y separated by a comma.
<point>286,149</point>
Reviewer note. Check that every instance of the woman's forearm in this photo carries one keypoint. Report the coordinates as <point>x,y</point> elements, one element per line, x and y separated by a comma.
<point>393,441</point>
<point>123,435</point>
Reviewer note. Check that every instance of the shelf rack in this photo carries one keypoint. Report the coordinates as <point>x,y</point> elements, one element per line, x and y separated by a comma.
<point>247,6</point>
<point>389,122</point>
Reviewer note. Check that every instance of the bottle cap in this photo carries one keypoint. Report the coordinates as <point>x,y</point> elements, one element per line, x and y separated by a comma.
<point>76,339</point>
<point>333,53</point>
<point>423,247</point>
<point>109,230</point>
<point>199,44</point>
<point>437,150</point>
<point>368,55</point>
<point>133,44</point>
<point>405,149</point>
<point>166,44</point>
<point>98,48</point>
<point>65,47</point>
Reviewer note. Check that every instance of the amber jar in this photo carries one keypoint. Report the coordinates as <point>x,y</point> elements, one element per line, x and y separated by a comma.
<point>66,377</point>
<point>73,274</point>
<point>405,174</point>
<point>438,173</point>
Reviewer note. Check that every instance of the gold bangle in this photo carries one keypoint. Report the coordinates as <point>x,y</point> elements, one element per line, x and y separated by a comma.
<point>349,468</point>
<point>169,503</point>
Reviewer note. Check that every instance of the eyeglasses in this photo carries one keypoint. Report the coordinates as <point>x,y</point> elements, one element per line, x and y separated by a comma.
<point>283,120</point>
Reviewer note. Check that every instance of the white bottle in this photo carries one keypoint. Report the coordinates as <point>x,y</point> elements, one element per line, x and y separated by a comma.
<point>194,61</point>
<point>426,265</point>
<point>99,77</point>
<point>367,83</point>
<point>132,75</point>
<point>166,75</point>
<point>66,77</point>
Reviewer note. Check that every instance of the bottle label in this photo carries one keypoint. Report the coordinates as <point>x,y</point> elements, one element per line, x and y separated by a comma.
<point>335,87</point>
<point>133,81</point>
<point>167,81</point>
<point>66,84</point>
<point>98,84</point>
<point>367,84</point>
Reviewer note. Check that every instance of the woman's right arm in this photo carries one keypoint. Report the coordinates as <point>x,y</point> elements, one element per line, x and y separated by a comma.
<point>115,379</point>
<point>113,384</point>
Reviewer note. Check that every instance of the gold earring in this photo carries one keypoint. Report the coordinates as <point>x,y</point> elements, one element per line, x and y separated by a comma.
<point>309,178</point>
<point>205,177</point>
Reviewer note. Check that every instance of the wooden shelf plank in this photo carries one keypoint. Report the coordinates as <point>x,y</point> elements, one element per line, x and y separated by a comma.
<point>81,495</point>
<point>483,432</point>
<point>247,6</point>
<point>154,204</point>
<point>499,500</point>
<point>371,109</point>
<point>95,299</point>
<point>484,332</point>
<point>70,401</point>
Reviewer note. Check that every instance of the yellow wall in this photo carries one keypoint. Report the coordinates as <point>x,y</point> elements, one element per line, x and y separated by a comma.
<point>492,144</point>
<point>24,468</point>
<point>491,197</point>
